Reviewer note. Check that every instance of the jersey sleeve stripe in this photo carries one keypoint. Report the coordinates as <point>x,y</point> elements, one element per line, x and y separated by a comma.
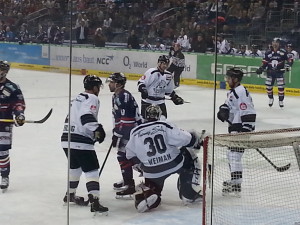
<point>87,118</point>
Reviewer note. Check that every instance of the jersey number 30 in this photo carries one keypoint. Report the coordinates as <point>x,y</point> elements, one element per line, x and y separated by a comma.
<point>155,144</point>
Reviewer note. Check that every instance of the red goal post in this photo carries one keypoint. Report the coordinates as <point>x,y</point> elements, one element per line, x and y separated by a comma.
<point>271,178</point>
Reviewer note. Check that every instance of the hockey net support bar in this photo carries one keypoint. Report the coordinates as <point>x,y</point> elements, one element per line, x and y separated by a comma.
<point>265,187</point>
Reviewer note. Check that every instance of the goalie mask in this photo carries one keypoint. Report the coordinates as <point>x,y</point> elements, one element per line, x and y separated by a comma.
<point>153,112</point>
<point>4,68</point>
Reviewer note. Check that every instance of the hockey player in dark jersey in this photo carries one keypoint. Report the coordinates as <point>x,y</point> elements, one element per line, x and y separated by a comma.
<point>126,116</point>
<point>238,110</point>
<point>85,131</point>
<point>274,63</point>
<point>178,63</point>
<point>12,106</point>
<point>155,84</point>
<point>162,149</point>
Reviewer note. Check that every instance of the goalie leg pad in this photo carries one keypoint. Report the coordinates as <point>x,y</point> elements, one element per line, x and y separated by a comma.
<point>235,161</point>
<point>189,178</point>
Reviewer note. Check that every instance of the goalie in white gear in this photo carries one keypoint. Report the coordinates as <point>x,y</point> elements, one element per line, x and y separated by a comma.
<point>161,149</point>
<point>238,110</point>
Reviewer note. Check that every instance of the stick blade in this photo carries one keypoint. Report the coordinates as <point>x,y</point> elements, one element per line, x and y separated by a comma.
<point>44,119</point>
<point>284,168</point>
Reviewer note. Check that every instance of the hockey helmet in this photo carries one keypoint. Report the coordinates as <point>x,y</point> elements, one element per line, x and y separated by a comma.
<point>153,112</point>
<point>4,66</point>
<point>235,72</point>
<point>164,58</point>
<point>117,78</point>
<point>90,81</point>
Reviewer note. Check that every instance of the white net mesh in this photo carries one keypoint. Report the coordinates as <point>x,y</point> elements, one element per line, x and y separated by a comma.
<point>270,179</point>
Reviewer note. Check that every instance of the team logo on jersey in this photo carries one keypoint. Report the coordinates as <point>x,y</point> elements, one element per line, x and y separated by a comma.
<point>93,107</point>
<point>243,106</point>
<point>143,77</point>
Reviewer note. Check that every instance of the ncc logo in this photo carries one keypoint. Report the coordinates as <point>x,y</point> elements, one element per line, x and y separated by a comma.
<point>243,106</point>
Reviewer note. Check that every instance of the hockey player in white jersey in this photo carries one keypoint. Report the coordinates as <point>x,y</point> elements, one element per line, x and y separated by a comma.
<point>238,110</point>
<point>155,147</point>
<point>84,132</point>
<point>155,84</point>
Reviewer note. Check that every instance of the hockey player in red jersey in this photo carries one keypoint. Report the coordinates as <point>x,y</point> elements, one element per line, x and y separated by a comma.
<point>126,116</point>
<point>274,63</point>
<point>162,149</point>
<point>238,110</point>
<point>12,106</point>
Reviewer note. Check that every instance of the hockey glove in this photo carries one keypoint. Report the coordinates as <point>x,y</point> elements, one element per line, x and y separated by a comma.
<point>19,120</point>
<point>260,70</point>
<point>177,100</point>
<point>116,140</point>
<point>143,90</point>
<point>223,113</point>
<point>287,68</point>
<point>99,134</point>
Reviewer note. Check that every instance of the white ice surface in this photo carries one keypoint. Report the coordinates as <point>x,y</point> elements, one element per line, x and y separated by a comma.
<point>39,167</point>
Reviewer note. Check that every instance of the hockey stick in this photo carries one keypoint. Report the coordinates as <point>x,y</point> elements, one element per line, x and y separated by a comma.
<point>107,154</point>
<point>183,100</point>
<point>279,169</point>
<point>29,121</point>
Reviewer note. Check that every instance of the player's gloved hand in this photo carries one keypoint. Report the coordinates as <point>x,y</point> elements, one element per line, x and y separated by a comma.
<point>116,140</point>
<point>223,113</point>
<point>99,134</point>
<point>287,68</point>
<point>177,100</point>
<point>143,90</point>
<point>260,70</point>
<point>19,120</point>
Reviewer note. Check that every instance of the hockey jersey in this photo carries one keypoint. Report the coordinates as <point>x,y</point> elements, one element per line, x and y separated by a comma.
<point>242,114</point>
<point>158,84</point>
<point>125,112</point>
<point>83,122</point>
<point>275,60</point>
<point>11,103</point>
<point>155,146</point>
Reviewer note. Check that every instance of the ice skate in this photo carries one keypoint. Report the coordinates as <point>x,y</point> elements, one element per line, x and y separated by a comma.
<point>186,201</point>
<point>96,207</point>
<point>146,204</point>
<point>231,187</point>
<point>4,184</point>
<point>271,101</point>
<point>119,186</point>
<point>76,199</point>
<point>128,192</point>
<point>281,104</point>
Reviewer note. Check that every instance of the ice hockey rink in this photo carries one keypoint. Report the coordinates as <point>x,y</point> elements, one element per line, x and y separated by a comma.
<point>38,177</point>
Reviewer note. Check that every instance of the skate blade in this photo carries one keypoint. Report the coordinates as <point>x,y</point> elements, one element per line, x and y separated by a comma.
<point>124,197</point>
<point>96,214</point>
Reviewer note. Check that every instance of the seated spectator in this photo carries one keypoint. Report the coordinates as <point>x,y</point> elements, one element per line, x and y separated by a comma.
<point>23,35</point>
<point>146,45</point>
<point>159,46</point>
<point>223,46</point>
<point>40,36</point>
<point>133,41</point>
<point>183,40</point>
<point>198,44</point>
<point>99,38</point>
<point>255,52</point>
<point>9,35</point>
<point>242,51</point>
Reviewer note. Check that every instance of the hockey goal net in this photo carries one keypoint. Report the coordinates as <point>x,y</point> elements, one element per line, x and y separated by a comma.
<point>270,186</point>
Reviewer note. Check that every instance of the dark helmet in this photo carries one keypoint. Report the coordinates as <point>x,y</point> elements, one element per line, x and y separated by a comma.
<point>235,72</point>
<point>117,78</point>
<point>153,112</point>
<point>90,81</point>
<point>4,66</point>
<point>164,58</point>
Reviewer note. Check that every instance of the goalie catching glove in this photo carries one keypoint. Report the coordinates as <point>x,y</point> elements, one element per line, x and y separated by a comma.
<point>223,113</point>
<point>176,99</point>
<point>19,120</point>
<point>197,139</point>
<point>99,134</point>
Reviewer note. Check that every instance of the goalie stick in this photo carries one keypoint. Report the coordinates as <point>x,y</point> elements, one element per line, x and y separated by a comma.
<point>279,169</point>
<point>29,121</point>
